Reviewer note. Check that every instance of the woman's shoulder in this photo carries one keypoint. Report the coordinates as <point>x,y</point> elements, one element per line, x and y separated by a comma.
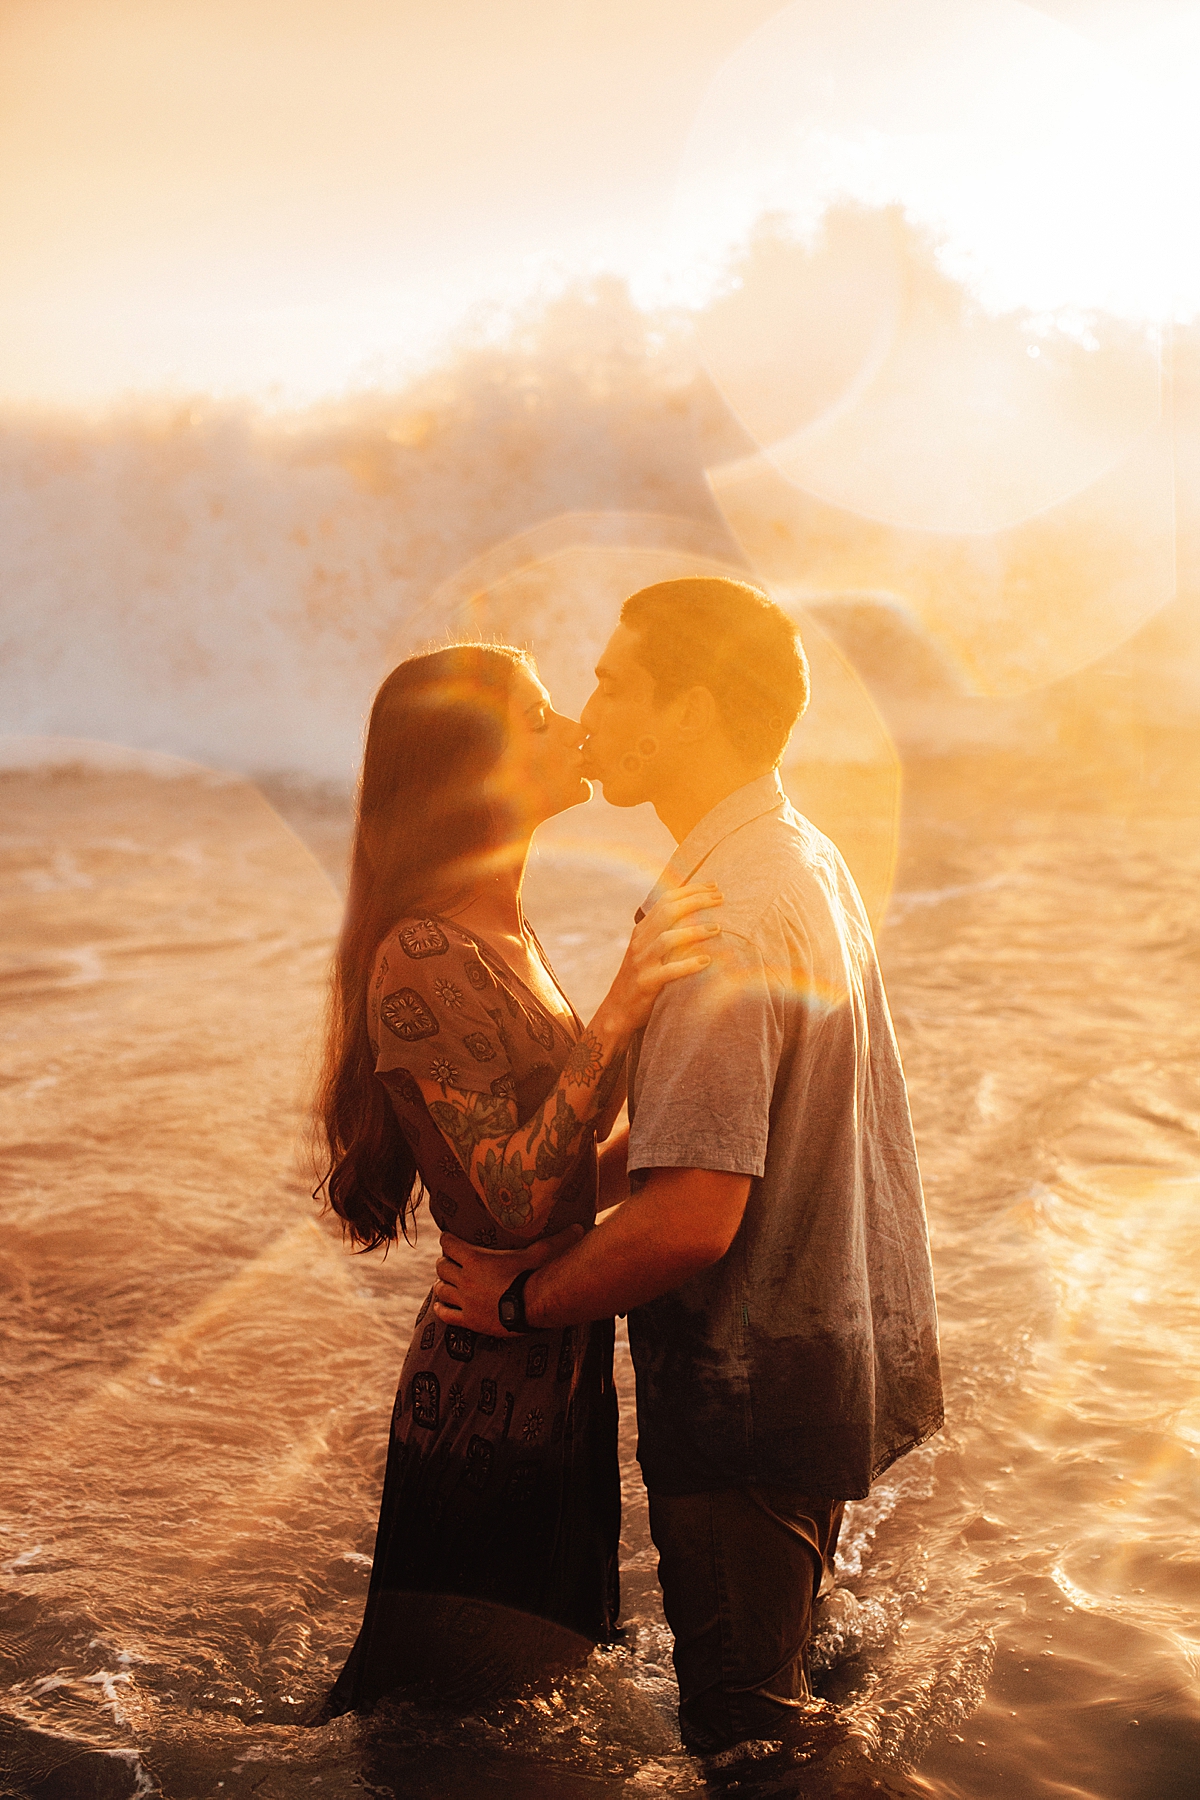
<point>422,944</point>
<point>421,937</point>
<point>430,983</point>
<point>432,956</point>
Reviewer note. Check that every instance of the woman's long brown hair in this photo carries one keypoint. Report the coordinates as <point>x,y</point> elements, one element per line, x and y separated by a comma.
<point>438,726</point>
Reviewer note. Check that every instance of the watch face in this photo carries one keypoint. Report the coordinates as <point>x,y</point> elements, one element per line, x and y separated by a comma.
<point>508,1310</point>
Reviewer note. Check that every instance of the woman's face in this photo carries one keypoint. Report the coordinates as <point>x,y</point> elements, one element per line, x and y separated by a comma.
<point>540,771</point>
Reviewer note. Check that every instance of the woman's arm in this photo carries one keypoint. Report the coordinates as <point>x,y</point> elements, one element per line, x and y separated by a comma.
<point>517,1170</point>
<point>679,1222</point>
<point>614,1117</point>
<point>613,1187</point>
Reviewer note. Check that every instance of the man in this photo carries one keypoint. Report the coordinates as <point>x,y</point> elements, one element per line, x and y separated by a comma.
<point>772,1255</point>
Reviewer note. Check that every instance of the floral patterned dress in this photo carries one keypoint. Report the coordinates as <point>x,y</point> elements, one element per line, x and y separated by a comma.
<point>502,1483</point>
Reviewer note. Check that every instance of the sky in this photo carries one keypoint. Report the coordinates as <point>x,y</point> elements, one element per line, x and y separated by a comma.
<point>290,198</point>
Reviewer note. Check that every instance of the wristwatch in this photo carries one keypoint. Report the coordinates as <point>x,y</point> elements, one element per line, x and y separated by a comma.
<point>512,1304</point>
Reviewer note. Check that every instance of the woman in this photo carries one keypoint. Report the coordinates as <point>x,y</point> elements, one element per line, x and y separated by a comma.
<point>457,1069</point>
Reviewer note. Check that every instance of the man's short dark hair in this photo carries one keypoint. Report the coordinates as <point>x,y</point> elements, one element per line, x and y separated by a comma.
<point>731,638</point>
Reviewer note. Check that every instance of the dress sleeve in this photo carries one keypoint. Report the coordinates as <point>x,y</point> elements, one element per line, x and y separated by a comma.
<point>436,1014</point>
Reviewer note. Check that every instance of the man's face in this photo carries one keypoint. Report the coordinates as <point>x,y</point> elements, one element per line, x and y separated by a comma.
<point>622,723</point>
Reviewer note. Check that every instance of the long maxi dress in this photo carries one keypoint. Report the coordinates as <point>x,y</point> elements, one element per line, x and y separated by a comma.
<point>501,1499</point>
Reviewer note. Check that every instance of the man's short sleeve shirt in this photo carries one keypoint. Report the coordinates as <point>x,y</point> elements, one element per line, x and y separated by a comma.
<point>806,1357</point>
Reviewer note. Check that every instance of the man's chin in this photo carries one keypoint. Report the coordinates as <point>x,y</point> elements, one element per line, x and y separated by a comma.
<point>616,795</point>
<point>616,791</point>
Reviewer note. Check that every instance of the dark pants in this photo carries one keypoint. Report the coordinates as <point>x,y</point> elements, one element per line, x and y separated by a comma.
<point>740,1570</point>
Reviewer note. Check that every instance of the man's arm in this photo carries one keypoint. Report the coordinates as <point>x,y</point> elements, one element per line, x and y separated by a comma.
<point>680,1221</point>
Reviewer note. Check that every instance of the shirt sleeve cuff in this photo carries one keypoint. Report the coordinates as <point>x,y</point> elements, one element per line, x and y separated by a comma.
<point>722,1155</point>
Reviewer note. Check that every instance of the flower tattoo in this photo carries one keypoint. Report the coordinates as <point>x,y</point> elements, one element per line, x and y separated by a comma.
<point>585,1061</point>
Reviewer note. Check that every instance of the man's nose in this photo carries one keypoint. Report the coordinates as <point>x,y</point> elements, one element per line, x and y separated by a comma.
<point>585,721</point>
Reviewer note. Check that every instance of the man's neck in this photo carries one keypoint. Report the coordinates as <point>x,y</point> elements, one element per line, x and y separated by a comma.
<point>684,805</point>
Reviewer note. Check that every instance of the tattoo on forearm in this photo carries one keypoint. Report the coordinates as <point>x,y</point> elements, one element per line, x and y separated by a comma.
<point>557,1141</point>
<point>471,1120</point>
<point>585,1065</point>
<point>608,1081</point>
<point>552,1138</point>
<point>506,1188</point>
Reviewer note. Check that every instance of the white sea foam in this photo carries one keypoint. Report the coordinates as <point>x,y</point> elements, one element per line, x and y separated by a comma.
<point>202,582</point>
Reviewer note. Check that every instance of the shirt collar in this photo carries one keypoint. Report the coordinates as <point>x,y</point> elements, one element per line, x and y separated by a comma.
<point>762,795</point>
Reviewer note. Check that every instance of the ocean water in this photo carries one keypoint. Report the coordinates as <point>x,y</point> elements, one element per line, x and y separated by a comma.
<point>199,1379</point>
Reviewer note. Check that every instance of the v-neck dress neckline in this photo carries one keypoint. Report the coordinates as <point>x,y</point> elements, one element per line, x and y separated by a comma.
<point>495,961</point>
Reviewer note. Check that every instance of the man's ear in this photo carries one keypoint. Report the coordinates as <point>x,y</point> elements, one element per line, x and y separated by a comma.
<point>696,714</point>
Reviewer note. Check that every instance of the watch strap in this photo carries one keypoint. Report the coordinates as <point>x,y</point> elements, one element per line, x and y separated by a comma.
<point>512,1315</point>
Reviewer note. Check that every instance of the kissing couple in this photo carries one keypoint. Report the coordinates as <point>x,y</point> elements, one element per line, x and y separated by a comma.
<point>759,1219</point>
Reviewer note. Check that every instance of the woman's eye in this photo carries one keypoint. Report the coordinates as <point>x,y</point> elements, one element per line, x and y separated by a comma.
<point>541,720</point>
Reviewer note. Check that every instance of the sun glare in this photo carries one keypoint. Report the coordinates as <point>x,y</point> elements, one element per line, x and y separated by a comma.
<point>191,199</point>
<point>1058,174</point>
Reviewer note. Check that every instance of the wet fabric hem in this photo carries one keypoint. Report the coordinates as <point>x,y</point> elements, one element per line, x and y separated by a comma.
<point>923,1436</point>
